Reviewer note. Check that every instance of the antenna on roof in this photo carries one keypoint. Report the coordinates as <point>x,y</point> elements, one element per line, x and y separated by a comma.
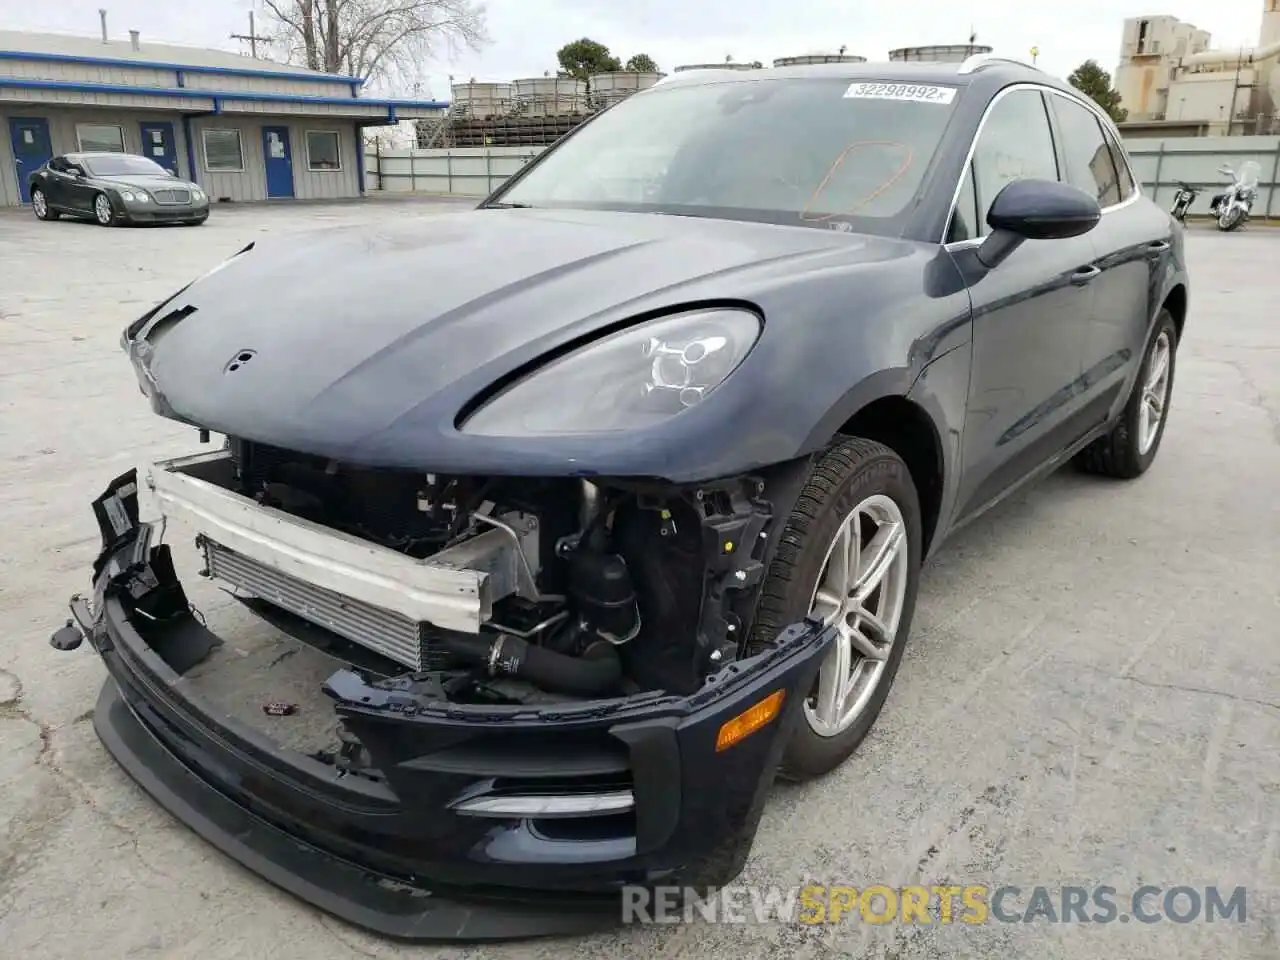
<point>253,37</point>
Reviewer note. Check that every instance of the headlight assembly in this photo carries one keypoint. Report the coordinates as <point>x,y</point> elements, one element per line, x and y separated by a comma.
<point>633,378</point>
<point>126,196</point>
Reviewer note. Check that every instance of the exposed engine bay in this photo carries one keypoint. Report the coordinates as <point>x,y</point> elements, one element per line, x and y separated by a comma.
<point>483,589</point>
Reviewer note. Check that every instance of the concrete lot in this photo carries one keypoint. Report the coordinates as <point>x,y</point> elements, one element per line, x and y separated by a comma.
<point>1091,695</point>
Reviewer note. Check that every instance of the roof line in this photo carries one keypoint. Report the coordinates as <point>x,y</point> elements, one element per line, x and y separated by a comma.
<point>194,94</point>
<point>184,67</point>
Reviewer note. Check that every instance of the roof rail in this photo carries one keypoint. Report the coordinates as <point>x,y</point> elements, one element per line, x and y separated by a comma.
<point>979,60</point>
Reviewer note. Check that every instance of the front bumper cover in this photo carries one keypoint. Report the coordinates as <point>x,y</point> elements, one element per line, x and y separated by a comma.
<point>393,852</point>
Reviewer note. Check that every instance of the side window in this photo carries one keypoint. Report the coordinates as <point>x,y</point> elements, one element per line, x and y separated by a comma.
<point>1127,186</point>
<point>965,224</point>
<point>1015,144</point>
<point>1090,165</point>
<point>58,165</point>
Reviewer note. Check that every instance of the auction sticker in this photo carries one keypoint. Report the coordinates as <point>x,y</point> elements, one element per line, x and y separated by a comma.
<point>919,92</point>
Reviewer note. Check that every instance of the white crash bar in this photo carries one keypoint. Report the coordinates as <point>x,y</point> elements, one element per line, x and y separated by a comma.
<point>450,598</point>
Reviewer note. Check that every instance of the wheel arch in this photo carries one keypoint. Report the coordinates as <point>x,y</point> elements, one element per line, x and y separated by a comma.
<point>906,428</point>
<point>1175,301</point>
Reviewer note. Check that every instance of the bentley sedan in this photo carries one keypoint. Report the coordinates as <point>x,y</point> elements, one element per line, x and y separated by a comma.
<point>114,189</point>
<point>597,506</point>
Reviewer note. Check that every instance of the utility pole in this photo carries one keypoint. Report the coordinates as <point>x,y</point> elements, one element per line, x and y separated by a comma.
<point>253,37</point>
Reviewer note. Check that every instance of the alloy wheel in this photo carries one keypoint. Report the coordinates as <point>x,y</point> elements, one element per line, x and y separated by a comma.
<point>102,209</point>
<point>1155,393</point>
<point>39,204</point>
<point>862,592</point>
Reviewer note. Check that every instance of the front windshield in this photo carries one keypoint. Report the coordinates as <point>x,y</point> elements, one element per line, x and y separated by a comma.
<point>811,152</point>
<point>124,166</point>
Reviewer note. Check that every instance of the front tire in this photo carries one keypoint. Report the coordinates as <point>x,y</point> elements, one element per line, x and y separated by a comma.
<point>1231,219</point>
<point>40,206</point>
<point>1130,448</point>
<point>850,552</point>
<point>103,214</point>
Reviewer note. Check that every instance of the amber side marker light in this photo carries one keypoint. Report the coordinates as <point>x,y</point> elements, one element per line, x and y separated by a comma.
<point>749,721</point>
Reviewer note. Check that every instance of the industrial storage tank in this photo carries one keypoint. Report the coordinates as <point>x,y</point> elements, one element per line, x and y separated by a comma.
<point>550,96</point>
<point>481,101</point>
<point>943,53</point>
<point>818,58</point>
<point>607,89</point>
<point>716,66</point>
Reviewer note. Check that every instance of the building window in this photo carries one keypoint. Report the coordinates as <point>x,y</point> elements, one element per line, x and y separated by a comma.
<point>100,137</point>
<point>223,152</point>
<point>323,150</point>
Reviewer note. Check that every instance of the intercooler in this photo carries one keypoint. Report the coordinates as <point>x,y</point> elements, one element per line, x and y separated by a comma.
<point>385,600</point>
<point>386,632</point>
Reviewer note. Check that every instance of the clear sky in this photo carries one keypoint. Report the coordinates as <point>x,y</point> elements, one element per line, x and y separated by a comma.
<point>526,33</point>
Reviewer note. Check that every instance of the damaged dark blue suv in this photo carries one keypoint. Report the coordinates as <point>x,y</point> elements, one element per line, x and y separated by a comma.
<point>606,501</point>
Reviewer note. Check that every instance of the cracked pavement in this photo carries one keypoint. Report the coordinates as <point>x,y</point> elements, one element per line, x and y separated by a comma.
<point>1091,694</point>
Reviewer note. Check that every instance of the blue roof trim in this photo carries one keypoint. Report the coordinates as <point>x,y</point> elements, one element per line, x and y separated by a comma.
<point>188,68</point>
<point>188,93</point>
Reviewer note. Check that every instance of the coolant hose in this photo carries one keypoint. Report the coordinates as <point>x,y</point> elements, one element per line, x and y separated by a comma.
<point>598,671</point>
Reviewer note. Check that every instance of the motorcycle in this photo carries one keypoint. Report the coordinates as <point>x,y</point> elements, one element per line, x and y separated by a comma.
<point>1182,201</point>
<point>1232,208</point>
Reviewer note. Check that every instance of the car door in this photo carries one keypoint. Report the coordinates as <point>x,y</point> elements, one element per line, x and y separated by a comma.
<point>1133,244</point>
<point>1029,313</point>
<point>58,184</point>
<point>76,190</point>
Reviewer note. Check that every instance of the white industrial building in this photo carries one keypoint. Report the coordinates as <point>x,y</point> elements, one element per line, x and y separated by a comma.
<point>242,128</point>
<point>1173,83</point>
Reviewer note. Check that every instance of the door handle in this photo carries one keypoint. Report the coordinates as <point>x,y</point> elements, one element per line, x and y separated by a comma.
<point>1084,275</point>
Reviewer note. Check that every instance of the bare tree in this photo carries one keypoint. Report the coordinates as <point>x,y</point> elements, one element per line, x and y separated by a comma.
<point>387,41</point>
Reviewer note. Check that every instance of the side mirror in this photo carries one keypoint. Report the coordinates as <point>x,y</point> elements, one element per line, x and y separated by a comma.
<point>1036,210</point>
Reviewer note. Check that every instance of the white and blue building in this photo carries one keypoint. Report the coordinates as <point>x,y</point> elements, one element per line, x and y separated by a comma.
<point>242,128</point>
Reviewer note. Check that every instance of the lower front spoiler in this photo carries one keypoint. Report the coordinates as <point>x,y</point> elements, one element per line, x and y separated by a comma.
<point>343,889</point>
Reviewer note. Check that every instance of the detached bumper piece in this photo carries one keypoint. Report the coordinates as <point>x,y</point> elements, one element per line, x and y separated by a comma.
<point>437,820</point>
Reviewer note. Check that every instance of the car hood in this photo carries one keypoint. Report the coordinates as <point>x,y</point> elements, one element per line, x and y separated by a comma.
<point>148,183</point>
<point>364,345</point>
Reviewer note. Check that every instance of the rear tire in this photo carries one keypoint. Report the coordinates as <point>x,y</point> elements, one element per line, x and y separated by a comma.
<point>853,475</point>
<point>40,206</point>
<point>1130,448</point>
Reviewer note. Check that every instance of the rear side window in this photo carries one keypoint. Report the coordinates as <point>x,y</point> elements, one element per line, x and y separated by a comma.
<point>1015,143</point>
<point>1090,165</point>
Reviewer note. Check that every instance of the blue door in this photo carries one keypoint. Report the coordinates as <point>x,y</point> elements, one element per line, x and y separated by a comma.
<point>32,149</point>
<point>158,145</point>
<point>279,160</point>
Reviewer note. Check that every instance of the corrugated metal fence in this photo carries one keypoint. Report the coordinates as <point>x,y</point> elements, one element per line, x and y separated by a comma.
<point>1159,164</point>
<point>461,171</point>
